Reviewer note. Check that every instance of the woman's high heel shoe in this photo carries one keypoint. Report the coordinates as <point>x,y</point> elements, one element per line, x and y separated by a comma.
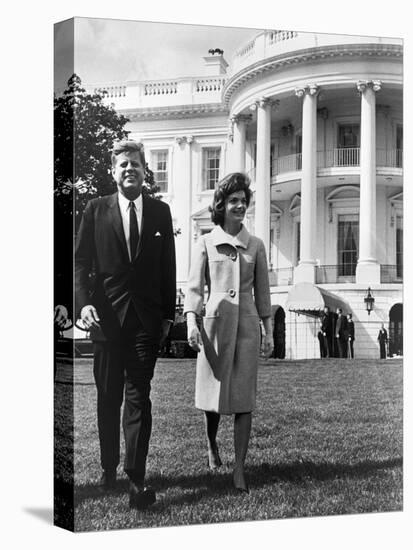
<point>214,460</point>
<point>238,479</point>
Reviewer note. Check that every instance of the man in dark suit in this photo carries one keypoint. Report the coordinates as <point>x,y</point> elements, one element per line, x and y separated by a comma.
<point>382,338</point>
<point>327,330</point>
<point>351,335</point>
<point>341,333</point>
<point>127,239</point>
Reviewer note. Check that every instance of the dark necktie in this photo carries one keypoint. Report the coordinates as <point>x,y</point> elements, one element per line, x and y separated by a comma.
<point>133,230</point>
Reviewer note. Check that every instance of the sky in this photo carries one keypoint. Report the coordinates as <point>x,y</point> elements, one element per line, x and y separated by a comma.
<point>109,50</point>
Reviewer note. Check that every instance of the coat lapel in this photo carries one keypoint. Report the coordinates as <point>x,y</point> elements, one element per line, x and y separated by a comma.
<point>116,222</point>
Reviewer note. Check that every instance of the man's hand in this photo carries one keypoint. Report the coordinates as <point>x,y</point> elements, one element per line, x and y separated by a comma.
<point>60,316</point>
<point>166,325</point>
<point>267,345</point>
<point>90,317</point>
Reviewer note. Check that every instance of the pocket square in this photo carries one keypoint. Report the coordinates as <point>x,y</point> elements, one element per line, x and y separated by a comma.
<point>157,234</point>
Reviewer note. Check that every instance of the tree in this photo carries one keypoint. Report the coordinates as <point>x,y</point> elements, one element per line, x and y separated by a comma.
<point>85,131</point>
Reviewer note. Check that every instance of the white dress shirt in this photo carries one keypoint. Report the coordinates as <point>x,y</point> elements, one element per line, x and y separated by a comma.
<point>124,212</point>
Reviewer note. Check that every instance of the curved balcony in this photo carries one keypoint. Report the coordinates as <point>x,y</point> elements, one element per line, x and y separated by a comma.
<point>336,158</point>
<point>332,274</point>
<point>282,276</point>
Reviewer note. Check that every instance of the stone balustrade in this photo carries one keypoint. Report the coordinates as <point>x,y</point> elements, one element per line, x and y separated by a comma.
<point>161,93</point>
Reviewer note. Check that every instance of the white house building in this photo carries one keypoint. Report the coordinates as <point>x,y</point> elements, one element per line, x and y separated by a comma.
<point>316,120</point>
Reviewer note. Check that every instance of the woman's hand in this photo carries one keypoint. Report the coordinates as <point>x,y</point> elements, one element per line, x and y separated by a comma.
<point>194,337</point>
<point>267,345</point>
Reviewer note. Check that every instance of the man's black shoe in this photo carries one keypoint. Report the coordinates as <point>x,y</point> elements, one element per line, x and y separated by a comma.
<point>140,498</point>
<point>107,481</point>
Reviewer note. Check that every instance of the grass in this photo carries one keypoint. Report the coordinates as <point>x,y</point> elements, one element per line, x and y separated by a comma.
<point>326,439</point>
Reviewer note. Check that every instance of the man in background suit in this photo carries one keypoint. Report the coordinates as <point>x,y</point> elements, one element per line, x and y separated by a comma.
<point>327,330</point>
<point>128,240</point>
<point>351,335</point>
<point>341,333</point>
<point>383,339</point>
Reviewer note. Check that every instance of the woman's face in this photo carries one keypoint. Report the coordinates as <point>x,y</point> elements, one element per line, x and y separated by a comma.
<point>235,207</point>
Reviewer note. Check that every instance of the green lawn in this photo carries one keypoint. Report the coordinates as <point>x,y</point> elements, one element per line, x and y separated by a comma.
<point>326,439</point>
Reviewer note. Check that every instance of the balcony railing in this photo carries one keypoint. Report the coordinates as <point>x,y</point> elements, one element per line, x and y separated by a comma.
<point>344,273</point>
<point>339,157</point>
<point>391,273</point>
<point>392,158</point>
<point>281,276</point>
<point>270,43</point>
<point>289,163</point>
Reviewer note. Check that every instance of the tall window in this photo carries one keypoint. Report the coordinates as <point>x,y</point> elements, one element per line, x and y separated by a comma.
<point>210,167</point>
<point>272,156</point>
<point>347,245</point>
<point>298,242</point>
<point>399,146</point>
<point>160,169</point>
<point>399,247</point>
<point>349,135</point>
<point>348,144</point>
<point>299,150</point>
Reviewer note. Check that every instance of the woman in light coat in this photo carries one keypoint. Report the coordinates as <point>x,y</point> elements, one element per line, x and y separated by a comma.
<point>232,263</point>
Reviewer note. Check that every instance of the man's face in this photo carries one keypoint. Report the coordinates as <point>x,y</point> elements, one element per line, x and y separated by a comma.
<point>326,310</point>
<point>129,174</point>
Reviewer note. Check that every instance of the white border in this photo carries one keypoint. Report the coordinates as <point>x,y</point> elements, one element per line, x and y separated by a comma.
<point>26,359</point>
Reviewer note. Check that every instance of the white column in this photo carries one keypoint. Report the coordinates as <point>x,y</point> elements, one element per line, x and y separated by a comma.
<point>305,271</point>
<point>368,269</point>
<point>262,174</point>
<point>239,129</point>
<point>182,203</point>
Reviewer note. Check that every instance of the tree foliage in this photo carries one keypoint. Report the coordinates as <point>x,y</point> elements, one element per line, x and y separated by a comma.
<point>85,131</point>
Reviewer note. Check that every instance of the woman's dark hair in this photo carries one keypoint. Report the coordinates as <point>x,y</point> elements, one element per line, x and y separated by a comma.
<point>231,183</point>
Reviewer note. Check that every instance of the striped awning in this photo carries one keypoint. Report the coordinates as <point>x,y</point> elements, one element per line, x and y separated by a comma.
<point>311,299</point>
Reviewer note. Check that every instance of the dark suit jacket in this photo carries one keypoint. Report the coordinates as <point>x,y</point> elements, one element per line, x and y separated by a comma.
<point>341,326</point>
<point>350,329</point>
<point>382,337</point>
<point>327,323</point>
<point>148,282</point>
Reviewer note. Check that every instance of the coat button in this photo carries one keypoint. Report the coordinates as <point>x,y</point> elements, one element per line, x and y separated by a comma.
<point>231,292</point>
<point>233,256</point>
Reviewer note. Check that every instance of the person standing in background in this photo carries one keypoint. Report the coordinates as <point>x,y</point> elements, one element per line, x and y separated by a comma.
<point>341,333</point>
<point>351,336</point>
<point>382,338</point>
<point>327,329</point>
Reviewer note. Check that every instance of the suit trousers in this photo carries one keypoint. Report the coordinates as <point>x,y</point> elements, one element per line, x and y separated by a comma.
<point>351,348</point>
<point>342,346</point>
<point>125,366</point>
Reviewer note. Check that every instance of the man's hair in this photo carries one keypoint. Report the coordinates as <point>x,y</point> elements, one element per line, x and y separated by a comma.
<point>231,183</point>
<point>128,146</point>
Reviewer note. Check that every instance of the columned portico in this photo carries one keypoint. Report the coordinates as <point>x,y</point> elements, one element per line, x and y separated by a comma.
<point>368,269</point>
<point>262,176</point>
<point>239,129</point>
<point>305,271</point>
